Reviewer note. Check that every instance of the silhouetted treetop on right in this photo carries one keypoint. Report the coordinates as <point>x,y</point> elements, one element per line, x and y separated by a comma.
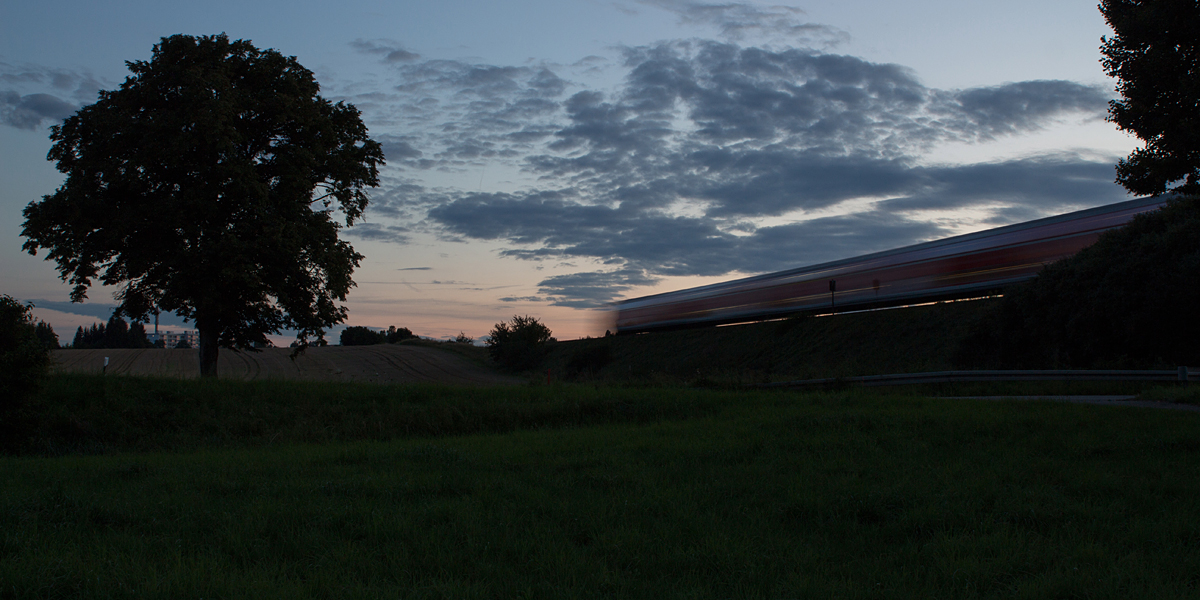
<point>1154,56</point>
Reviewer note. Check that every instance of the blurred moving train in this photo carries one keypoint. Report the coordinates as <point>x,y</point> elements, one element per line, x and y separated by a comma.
<point>964,266</point>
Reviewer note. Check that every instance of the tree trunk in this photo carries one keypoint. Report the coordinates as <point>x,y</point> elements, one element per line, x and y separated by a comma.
<point>209,336</point>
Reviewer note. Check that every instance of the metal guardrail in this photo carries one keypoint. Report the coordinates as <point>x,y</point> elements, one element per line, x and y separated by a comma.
<point>1180,374</point>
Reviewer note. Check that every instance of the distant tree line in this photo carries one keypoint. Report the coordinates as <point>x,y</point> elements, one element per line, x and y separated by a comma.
<point>117,333</point>
<point>365,336</point>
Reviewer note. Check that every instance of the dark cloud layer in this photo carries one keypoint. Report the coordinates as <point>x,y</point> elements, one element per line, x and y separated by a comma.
<point>378,232</point>
<point>101,312</point>
<point>29,112</point>
<point>33,96</point>
<point>738,21</point>
<point>592,289</point>
<point>389,50</point>
<point>680,169</point>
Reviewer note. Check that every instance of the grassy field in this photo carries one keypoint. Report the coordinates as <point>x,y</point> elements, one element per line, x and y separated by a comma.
<point>412,361</point>
<point>592,492</point>
<point>92,414</point>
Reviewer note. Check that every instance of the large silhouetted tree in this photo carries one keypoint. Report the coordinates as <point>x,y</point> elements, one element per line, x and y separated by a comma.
<point>1155,55</point>
<point>209,185</point>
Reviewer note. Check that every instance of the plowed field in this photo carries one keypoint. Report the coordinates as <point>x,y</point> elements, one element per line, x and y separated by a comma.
<point>385,363</point>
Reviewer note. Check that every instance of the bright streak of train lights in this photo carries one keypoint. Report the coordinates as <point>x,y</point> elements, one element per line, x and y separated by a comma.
<point>971,265</point>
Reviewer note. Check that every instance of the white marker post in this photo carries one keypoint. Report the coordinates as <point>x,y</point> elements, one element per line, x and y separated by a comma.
<point>105,369</point>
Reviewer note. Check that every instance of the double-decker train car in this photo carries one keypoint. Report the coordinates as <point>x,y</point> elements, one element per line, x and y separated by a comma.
<point>963,266</point>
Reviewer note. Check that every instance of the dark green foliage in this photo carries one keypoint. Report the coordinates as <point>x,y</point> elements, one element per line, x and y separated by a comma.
<point>1155,56</point>
<point>365,336</point>
<point>45,334</point>
<point>520,344</point>
<point>398,334</point>
<point>211,185</point>
<point>1129,301</point>
<point>24,361</point>
<point>361,336</point>
<point>115,334</point>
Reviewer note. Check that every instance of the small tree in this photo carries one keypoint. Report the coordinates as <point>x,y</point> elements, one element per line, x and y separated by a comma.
<point>211,185</point>
<point>519,344</point>
<point>1154,54</point>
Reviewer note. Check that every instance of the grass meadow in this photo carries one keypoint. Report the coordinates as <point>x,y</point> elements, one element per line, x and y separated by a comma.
<point>142,488</point>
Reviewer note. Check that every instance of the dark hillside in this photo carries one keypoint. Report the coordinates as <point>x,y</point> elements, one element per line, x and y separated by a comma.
<point>923,338</point>
<point>1127,302</point>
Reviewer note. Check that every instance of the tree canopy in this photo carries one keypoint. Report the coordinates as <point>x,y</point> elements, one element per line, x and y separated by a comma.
<point>1155,57</point>
<point>520,344</point>
<point>115,334</point>
<point>212,183</point>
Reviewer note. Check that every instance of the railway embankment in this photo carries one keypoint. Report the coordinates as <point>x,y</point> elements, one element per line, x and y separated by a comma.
<point>908,340</point>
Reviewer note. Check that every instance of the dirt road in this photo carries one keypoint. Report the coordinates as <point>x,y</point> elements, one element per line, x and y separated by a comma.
<point>384,363</point>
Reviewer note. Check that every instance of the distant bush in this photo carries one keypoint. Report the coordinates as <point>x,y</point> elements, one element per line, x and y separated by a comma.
<point>1128,301</point>
<point>463,338</point>
<point>395,334</point>
<point>361,336</point>
<point>520,344</point>
<point>24,359</point>
<point>365,336</point>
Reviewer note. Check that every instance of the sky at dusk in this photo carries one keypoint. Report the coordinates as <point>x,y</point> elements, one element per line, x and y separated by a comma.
<point>550,157</point>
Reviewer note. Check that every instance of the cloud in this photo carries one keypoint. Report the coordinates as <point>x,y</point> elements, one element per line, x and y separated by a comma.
<point>592,289</point>
<point>450,116</point>
<point>1013,108</point>
<point>101,312</point>
<point>398,148</point>
<point>379,233</point>
<point>653,244</point>
<point>1051,183</point>
<point>737,21</point>
<point>688,165</point>
<point>34,94</point>
<point>28,112</point>
<point>390,51</point>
